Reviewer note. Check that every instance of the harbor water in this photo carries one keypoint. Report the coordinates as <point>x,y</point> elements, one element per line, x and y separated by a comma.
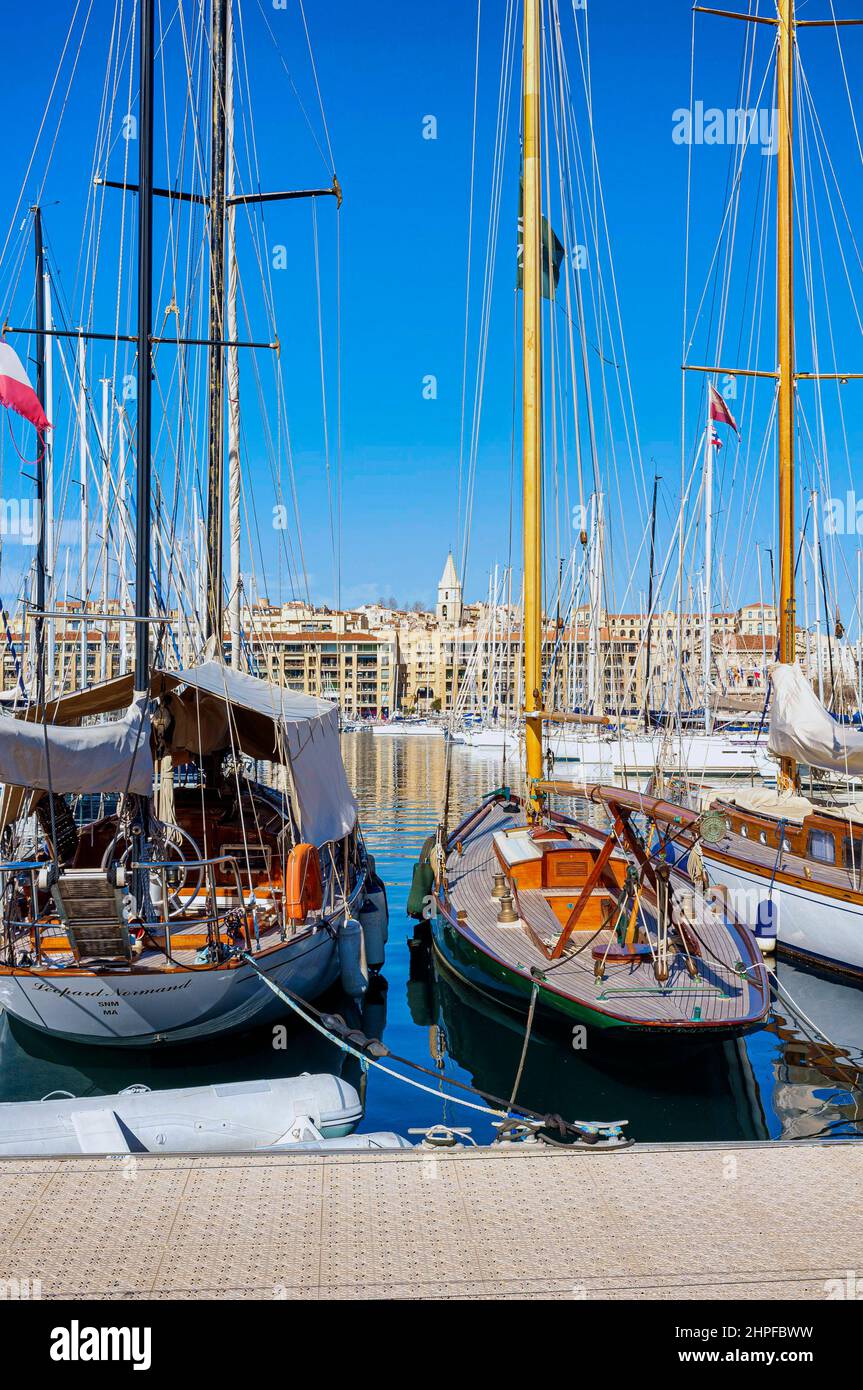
<point>775,1083</point>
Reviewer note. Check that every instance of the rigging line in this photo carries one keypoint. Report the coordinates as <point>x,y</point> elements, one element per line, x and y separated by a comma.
<point>601,215</point>
<point>336,548</point>
<point>317,87</point>
<point>34,151</point>
<point>497,167</point>
<point>730,204</point>
<point>505,85</point>
<point>467,286</point>
<point>823,465</point>
<point>275,450</point>
<point>287,71</point>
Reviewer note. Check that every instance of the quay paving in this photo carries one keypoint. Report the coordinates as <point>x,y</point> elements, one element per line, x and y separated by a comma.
<point>771,1220</point>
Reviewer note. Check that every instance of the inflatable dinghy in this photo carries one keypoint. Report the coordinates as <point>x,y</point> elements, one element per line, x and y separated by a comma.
<point>238,1116</point>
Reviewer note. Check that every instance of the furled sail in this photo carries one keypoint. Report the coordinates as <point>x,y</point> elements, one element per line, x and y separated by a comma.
<point>110,757</point>
<point>801,728</point>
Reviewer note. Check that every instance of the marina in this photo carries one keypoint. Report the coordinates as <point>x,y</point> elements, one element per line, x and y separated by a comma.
<point>428,1225</point>
<point>503,943</point>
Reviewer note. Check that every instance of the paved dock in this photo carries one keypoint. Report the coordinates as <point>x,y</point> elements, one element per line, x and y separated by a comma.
<point>661,1222</point>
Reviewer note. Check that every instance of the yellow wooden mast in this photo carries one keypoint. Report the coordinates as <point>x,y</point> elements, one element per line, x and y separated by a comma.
<point>785,334</point>
<point>532,407</point>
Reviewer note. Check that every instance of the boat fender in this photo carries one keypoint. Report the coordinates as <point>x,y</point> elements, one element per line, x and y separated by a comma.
<point>304,889</point>
<point>422,885</point>
<point>352,959</point>
<point>374,922</point>
<point>765,925</point>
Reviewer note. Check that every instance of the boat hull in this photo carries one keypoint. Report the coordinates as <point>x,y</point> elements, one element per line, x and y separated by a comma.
<point>819,927</point>
<point>639,756</point>
<point>489,975</point>
<point>146,1009</point>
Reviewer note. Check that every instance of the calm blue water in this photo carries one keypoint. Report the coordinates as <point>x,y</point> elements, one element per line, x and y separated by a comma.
<point>772,1084</point>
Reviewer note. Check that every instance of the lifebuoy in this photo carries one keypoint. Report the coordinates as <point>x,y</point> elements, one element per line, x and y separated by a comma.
<point>304,889</point>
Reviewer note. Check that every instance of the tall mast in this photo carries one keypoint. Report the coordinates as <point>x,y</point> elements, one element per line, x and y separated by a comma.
<point>85,506</point>
<point>40,461</point>
<point>215,482</point>
<point>785,334</point>
<point>145,314</point>
<point>236,579</point>
<point>532,409</point>
<point>707,632</point>
<point>47,519</point>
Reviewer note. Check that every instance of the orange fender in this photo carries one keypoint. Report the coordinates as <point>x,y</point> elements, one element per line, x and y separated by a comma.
<point>304,889</point>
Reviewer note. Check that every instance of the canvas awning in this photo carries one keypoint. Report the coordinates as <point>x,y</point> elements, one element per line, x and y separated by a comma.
<point>215,707</point>
<point>223,708</point>
<point>108,757</point>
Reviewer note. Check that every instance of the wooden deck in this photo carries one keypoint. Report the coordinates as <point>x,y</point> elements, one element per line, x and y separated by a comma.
<point>717,995</point>
<point>772,1221</point>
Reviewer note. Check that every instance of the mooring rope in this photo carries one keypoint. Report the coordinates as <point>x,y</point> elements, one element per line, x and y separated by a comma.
<point>305,1011</point>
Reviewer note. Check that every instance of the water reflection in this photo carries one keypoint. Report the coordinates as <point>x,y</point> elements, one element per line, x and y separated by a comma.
<point>774,1083</point>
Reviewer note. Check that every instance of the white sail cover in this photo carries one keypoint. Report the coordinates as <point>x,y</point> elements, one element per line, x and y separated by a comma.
<point>801,728</point>
<point>269,722</point>
<point>110,757</point>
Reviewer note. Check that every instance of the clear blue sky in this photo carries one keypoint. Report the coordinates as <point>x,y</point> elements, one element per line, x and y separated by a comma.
<point>382,68</point>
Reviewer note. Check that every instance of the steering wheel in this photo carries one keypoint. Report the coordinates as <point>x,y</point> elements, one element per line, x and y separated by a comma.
<point>176,878</point>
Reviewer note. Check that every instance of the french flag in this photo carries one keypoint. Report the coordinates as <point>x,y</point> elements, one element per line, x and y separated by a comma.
<point>16,392</point>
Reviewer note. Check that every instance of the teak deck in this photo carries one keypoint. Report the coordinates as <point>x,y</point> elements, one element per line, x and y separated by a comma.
<point>719,996</point>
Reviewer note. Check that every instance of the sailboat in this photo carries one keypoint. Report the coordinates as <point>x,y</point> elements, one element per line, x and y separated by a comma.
<point>790,865</point>
<point>530,906</point>
<point>178,916</point>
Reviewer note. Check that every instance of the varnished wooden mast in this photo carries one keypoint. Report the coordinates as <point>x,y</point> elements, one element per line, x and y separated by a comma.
<point>532,407</point>
<point>785,333</point>
<point>216,470</point>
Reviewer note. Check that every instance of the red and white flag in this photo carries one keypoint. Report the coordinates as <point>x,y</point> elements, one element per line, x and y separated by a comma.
<point>15,390</point>
<point>719,410</point>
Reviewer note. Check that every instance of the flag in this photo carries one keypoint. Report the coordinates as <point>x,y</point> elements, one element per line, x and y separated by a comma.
<point>715,441</point>
<point>552,253</point>
<point>15,390</point>
<point>719,410</point>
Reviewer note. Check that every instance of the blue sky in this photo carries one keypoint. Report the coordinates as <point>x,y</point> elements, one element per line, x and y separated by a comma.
<point>382,69</point>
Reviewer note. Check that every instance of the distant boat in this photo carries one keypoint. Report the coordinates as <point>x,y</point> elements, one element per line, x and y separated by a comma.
<point>407,726</point>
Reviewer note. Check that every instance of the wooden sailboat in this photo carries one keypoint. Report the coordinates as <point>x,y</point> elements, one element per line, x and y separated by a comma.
<point>530,906</point>
<point>791,867</point>
<point>172,919</point>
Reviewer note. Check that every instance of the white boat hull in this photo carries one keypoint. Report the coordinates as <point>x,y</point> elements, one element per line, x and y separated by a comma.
<point>145,1008</point>
<point>409,730</point>
<point>823,929</point>
<point>640,755</point>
